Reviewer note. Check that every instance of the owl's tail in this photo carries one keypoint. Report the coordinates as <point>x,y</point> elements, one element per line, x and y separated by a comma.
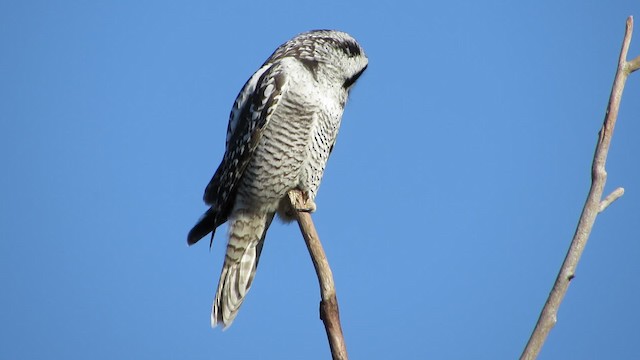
<point>246,237</point>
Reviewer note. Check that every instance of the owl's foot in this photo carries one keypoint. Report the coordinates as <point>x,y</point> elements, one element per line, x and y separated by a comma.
<point>307,205</point>
<point>301,201</point>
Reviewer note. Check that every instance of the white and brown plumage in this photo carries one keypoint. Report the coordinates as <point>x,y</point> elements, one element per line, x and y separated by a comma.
<point>282,128</point>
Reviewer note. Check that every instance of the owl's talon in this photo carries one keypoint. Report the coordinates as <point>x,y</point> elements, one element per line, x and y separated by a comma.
<point>301,201</point>
<point>308,206</point>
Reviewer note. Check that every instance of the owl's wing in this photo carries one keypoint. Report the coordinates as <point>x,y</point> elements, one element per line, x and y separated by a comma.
<point>251,113</point>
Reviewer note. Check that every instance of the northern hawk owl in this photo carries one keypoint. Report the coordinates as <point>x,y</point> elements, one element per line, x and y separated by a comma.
<point>282,128</point>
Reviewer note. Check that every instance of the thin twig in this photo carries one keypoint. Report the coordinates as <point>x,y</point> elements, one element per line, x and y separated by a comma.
<point>633,65</point>
<point>329,313</point>
<point>592,206</point>
<point>615,195</point>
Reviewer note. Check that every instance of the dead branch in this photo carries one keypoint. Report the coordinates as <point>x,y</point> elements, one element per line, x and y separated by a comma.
<point>329,313</point>
<point>592,206</point>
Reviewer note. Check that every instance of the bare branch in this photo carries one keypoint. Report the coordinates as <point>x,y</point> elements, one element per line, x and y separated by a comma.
<point>592,206</point>
<point>329,313</point>
<point>617,193</point>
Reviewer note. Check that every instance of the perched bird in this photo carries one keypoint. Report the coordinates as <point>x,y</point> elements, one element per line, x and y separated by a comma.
<point>282,128</point>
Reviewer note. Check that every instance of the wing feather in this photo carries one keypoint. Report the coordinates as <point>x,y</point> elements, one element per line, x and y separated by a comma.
<point>252,111</point>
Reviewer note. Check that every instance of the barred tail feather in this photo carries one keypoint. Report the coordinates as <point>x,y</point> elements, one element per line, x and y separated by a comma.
<point>246,237</point>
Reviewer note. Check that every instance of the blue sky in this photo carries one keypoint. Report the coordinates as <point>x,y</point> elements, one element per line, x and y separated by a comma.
<point>446,208</point>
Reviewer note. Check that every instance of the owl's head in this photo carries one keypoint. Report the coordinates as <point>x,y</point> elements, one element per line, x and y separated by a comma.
<point>331,52</point>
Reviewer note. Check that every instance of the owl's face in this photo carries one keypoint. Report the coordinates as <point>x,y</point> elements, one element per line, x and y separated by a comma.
<point>343,53</point>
